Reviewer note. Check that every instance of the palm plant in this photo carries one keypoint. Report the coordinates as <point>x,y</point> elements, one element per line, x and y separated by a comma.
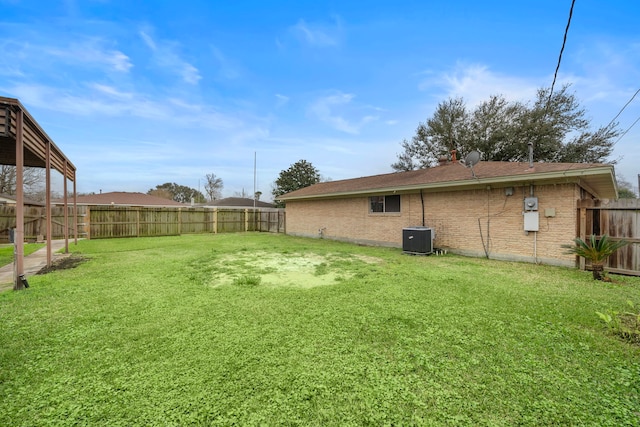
<point>595,250</point>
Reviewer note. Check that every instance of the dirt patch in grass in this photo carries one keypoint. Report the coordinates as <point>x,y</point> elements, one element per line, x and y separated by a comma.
<point>291,270</point>
<point>64,263</point>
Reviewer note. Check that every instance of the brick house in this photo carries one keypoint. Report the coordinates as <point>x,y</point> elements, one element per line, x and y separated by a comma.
<point>501,210</point>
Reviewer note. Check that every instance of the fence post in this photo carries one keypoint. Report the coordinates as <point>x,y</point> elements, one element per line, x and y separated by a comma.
<point>582,232</point>
<point>87,222</point>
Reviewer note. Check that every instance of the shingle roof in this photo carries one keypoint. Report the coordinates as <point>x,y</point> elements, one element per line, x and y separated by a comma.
<point>598,177</point>
<point>26,201</point>
<point>126,199</point>
<point>239,201</point>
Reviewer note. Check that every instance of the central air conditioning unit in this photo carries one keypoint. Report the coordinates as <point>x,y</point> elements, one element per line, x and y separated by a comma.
<point>417,240</point>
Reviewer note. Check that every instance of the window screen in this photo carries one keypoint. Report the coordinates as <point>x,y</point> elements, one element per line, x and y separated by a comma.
<point>392,204</point>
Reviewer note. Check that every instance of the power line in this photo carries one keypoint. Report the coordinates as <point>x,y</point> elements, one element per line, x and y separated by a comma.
<point>555,75</point>
<point>564,41</point>
<point>622,109</point>
<point>628,129</point>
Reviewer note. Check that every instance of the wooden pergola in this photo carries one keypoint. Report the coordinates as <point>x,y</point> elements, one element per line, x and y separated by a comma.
<point>24,143</point>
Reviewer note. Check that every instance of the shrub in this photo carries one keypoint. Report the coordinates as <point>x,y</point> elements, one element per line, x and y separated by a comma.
<point>595,250</point>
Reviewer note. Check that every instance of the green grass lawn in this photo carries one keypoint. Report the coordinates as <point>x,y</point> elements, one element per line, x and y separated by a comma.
<point>263,329</point>
<point>6,251</point>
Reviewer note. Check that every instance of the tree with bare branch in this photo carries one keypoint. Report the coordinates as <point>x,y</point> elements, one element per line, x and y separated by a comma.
<point>213,187</point>
<point>33,181</point>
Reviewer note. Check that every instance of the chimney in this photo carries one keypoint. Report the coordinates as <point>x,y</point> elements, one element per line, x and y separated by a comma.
<point>453,156</point>
<point>530,155</point>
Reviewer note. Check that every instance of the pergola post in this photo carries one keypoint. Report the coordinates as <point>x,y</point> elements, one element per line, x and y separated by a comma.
<point>75,213</point>
<point>48,202</point>
<point>19,234</point>
<point>65,231</point>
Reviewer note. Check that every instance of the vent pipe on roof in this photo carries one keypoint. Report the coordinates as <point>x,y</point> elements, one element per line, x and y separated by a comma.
<point>530,154</point>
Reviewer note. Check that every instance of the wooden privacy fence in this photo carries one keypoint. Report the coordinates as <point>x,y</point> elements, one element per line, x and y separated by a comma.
<point>100,222</point>
<point>35,222</point>
<point>619,219</point>
<point>134,221</point>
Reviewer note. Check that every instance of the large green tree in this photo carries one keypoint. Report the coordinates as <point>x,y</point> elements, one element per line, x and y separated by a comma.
<point>625,188</point>
<point>179,193</point>
<point>299,175</point>
<point>502,130</point>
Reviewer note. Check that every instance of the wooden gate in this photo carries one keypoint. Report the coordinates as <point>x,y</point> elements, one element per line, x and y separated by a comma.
<point>619,219</point>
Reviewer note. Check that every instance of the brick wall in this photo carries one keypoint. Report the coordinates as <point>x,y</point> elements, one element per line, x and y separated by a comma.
<point>470,222</point>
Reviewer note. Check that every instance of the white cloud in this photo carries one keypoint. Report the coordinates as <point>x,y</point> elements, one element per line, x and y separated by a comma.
<point>323,108</point>
<point>109,101</point>
<point>190,74</point>
<point>118,60</point>
<point>331,109</point>
<point>317,34</point>
<point>111,91</point>
<point>281,100</point>
<point>226,68</point>
<point>146,38</point>
<point>476,83</point>
<point>166,56</point>
<point>608,72</point>
<point>88,53</point>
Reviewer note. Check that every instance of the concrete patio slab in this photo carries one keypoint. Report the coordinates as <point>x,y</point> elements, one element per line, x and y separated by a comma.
<point>32,264</point>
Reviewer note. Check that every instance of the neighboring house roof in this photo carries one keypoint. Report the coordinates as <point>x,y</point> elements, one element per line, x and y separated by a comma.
<point>11,200</point>
<point>597,178</point>
<point>238,201</point>
<point>123,198</point>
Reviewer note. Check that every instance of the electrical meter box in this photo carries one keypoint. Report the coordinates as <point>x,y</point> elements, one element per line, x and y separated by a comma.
<point>530,204</point>
<point>531,221</point>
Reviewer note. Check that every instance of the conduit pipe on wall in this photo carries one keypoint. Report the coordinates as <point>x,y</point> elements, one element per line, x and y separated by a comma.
<point>422,201</point>
<point>535,233</point>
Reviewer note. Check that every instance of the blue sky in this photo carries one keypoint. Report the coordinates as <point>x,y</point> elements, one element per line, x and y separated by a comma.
<point>139,93</point>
